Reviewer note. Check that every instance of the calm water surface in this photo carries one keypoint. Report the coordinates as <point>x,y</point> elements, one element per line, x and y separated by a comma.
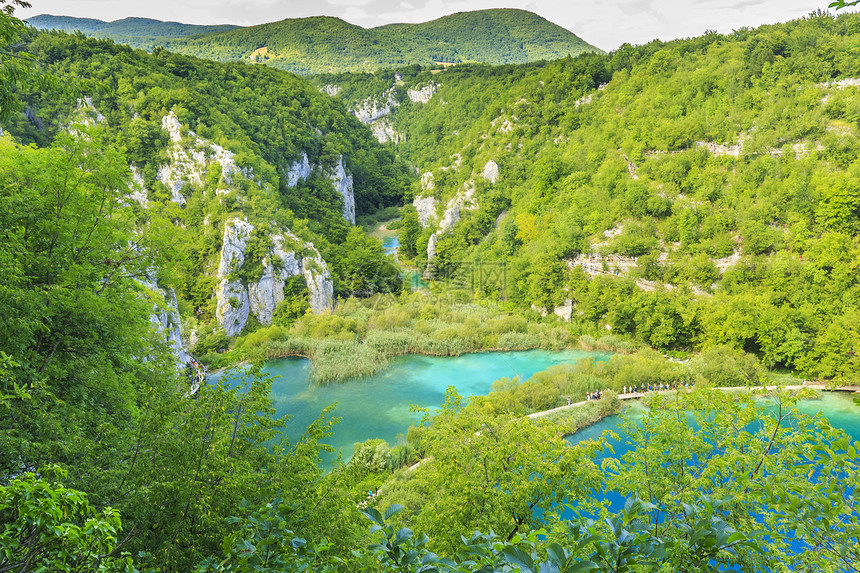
<point>390,244</point>
<point>379,406</point>
<point>838,407</point>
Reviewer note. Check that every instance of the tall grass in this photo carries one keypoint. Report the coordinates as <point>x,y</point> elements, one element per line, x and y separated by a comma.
<point>573,419</point>
<point>361,335</point>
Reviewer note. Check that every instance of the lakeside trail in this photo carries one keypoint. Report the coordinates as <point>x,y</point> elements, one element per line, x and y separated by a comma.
<point>637,395</point>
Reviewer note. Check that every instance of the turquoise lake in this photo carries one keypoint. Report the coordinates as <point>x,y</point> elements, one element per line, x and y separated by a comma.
<point>378,406</point>
<point>838,407</point>
<point>390,244</point>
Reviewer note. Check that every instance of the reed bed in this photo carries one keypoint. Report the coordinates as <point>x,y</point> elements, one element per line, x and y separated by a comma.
<point>361,335</point>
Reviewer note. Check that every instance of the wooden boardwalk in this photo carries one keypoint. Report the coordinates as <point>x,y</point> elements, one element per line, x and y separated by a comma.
<point>637,395</point>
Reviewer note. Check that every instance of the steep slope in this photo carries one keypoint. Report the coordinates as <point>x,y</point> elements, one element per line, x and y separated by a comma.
<point>325,44</point>
<point>246,177</point>
<point>144,33</point>
<point>695,193</point>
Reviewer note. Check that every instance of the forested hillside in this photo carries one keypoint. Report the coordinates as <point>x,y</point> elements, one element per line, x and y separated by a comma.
<point>144,33</point>
<point>177,195</point>
<point>325,44</point>
<point>692,193</point>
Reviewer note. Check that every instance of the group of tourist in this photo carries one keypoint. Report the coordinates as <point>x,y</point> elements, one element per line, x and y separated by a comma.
<point>198,372</point>
<point>596,395</point>
<point>663,386</point>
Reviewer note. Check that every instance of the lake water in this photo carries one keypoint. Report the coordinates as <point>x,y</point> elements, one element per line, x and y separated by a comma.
<point>390,244</point>
<point>838,407</point>
<point>378,406</point>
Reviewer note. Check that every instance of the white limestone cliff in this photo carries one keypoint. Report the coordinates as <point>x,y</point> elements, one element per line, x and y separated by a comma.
<point>165,318</point>
<point>233,303</point>
<point>491,172</point>
<point>463,200</point>
<point>299,170</point>
<point>343,184</point>
<point>137,188</point>
<point>190,159</point>
<point>383,130</point>
<point>339,176</point>
<point>236,301</point>
<point>371,109</point>
<point>426,208</point>
<point>422,94</point>
<point>428,183</point>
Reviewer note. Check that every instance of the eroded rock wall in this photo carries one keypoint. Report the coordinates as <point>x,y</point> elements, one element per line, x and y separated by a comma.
<point>287,257</point>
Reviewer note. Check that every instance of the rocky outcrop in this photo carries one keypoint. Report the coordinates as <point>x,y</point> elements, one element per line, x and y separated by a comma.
<point>422,94</point>
<point>165,318</point>
<point>429,271</point>
<point>287,256</point>
<point>491,172</point>
<point>428,183</point>
<point>340,178</point>
<point>87,114</point>
<point>426,208</point>
<point>371,109</point>
<point>331,89</point>
<point>233,302</point>
<point>190,159</point>
<point>299,170</point>
<point>137,188</point>
<point>384,131</point>
<point>343,184</point>
<point>463,200</point>
<point>318,281</point>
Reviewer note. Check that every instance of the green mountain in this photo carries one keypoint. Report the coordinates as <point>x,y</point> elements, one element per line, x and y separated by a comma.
<point>325,44</point>
<point>144,33</point>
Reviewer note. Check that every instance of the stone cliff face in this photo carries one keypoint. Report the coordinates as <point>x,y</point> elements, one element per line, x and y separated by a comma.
<point>343,185</point>
<point>165,318</point>
<point>373,112</point>
<point>422,94</point>
<point>384,131</point>
<point>190,160</point>
<point>464,200</point>
<point>340,178</point>
<point>369,110</point>
<point>299,170</point>
<point>236,301</point>
<point>426,207</point>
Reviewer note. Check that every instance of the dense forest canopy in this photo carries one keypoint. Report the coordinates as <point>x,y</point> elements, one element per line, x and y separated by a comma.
<point>737,149</point>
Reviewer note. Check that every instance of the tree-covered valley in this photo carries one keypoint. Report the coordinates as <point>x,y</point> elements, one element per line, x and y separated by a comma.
<point>689,207</point>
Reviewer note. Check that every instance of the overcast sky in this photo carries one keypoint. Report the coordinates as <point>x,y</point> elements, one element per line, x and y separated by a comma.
<point>606,25</point>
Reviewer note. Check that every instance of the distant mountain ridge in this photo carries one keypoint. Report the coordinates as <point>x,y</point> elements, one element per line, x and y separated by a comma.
<point>324,44</point>
<point>137,32</point>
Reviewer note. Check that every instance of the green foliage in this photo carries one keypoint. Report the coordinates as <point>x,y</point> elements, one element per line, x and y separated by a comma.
<point>17,66</point>
<point>49,527</point>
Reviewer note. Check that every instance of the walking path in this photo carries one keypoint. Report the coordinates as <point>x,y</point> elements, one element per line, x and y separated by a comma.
<point>637,395</point>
